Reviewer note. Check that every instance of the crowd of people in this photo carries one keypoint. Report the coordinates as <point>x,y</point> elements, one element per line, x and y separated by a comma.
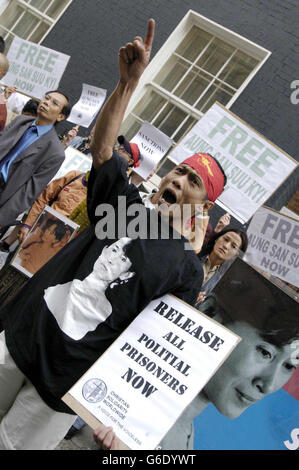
<point>80,300</point>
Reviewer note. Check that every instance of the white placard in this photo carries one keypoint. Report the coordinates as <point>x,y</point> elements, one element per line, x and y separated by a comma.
<point>88,106</point>
<point>153,145</point>
<point>143,382</point>
<point>273,245</point>
<point>74,160</point>
<point>254,166</point>
<point>34,69</point>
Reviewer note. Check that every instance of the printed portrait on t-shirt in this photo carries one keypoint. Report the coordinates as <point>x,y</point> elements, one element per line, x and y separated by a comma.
<point>80,306</point>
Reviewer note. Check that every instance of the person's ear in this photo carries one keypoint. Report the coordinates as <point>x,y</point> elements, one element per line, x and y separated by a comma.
<point>60,117</point>
<point>207,206</point>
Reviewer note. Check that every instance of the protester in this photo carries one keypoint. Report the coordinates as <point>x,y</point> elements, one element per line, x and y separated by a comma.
<point>37,351</point>
<point>223,246</point>
<point>251,306</point>
<point>80,143</point>
<point>65,195</point>
<point>30,155</point>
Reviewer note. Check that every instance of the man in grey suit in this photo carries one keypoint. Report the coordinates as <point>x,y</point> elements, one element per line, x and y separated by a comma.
<point>30,155</point>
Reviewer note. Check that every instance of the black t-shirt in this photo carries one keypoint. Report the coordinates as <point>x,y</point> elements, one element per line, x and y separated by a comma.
<point>82,299</point>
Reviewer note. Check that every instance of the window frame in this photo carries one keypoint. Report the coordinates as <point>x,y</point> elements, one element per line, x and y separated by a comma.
<point>41,16</point>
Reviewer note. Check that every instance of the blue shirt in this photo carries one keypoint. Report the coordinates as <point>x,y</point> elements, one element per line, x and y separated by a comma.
<point>32,134</point>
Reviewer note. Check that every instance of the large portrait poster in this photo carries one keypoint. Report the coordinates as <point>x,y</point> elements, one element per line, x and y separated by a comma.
<point>253,397</point>
<point>254,166</point>
<point>156,367</point>
<point>34,69</point>
<point>48,235</point>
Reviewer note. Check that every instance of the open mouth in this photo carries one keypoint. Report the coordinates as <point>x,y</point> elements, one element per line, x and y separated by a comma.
<point>169,197</point>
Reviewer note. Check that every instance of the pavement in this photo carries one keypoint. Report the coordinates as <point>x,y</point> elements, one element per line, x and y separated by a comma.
<point>82,440</point>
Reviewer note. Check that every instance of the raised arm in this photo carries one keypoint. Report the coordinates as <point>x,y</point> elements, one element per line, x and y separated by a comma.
<point>132,60</point>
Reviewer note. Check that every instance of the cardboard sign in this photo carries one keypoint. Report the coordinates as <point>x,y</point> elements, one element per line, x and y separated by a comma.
<point>88,106</point>
<point>143,382</point>
<point>74,160</point>
<point>34,69</point>
<point>254,166</point>
<point>48,235</point>
<point>273,244</point>
<point>153,145</point>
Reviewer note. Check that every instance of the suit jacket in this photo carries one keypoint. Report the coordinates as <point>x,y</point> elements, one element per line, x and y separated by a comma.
<point>30,172</point>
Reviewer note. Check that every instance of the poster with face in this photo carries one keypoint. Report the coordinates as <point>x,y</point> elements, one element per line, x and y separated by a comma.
<point>252,400</point>
<point>51,232</point>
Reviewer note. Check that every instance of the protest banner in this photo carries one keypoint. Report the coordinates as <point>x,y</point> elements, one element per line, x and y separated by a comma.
<point>254,395</point>
<point>146,378</point>
<point>48,235</point>
<point>34,69</point>
<point>254,166</point>
<point>88,106</point>
<point>273,244</point>
<point>74,160</point>
<point>153,145</point>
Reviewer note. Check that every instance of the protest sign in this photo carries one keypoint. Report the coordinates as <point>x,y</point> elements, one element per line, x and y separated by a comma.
<point>143,382</point>
<point>34,69</point>
<point>254,166</point>
<point>254,395</point>
<point>153,145</point>
<point>88,106</point>
<point>74,160</point>
<point>49,234</point>
<point>273,244</point>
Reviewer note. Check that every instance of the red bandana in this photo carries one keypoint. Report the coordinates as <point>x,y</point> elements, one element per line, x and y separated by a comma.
<point>135,154</point>
<point>209,171</point>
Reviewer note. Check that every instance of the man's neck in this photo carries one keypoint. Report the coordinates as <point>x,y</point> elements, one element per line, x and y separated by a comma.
<point>43,122</point>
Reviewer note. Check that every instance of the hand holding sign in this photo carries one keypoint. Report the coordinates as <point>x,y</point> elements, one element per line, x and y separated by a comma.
<point>134,57</point>
<point>106,438</point>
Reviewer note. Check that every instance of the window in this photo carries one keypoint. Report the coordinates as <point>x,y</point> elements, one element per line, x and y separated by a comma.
<point>200,63</point>
<point>29,19</point>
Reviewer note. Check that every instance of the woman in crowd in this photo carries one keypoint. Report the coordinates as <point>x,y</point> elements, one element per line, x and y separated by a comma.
<point>222,247</point>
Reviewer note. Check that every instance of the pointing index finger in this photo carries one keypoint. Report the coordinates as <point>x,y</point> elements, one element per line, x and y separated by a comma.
<point>149,37</point>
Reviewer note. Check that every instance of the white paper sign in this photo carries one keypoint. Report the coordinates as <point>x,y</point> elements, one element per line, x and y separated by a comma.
<point>143,382</point>
<point>153,145</point>
<point>273,245</point>
<point>74,160</point>
<point>88,106</point>
<point>253,165</point>
<point>34,69</point>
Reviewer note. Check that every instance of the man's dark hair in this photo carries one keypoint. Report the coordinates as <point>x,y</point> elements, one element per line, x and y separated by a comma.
<point>66,110</point>
<point>2,45</point>
<point>30,107</point>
